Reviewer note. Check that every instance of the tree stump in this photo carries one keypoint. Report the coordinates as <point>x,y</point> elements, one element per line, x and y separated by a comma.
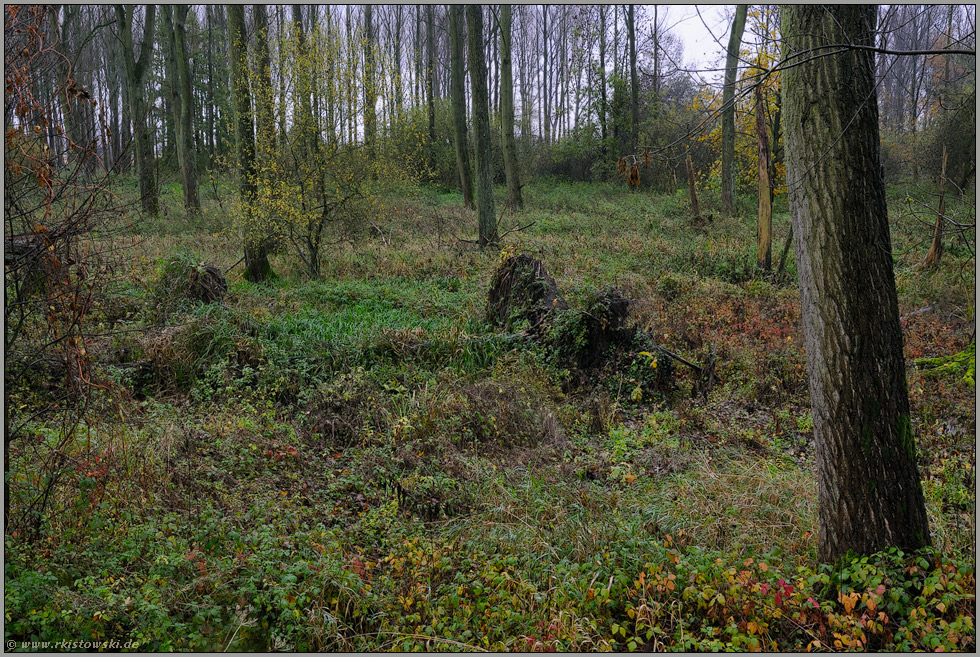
<point>522,291</point>
<point>206,283</point>
<point>605,327</point>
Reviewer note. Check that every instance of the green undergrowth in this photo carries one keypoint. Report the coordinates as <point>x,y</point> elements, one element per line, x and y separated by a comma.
<point>361,463</point>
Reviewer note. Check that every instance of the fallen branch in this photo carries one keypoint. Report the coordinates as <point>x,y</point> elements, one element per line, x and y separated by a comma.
<point>500,236</point>
<point>239,261</point>
<point>681,359</point>
<point>515,230</point>
<point>920,311</point>
<point>707,377</point>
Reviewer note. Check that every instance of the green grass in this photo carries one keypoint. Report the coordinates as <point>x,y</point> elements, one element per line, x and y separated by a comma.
<point>360,463</point>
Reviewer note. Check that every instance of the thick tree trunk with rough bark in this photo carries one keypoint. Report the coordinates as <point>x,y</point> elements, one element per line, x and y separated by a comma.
<point>869,488</point>
<point>481,122</point>
<point>458,92</point>
<point>728,113</point>
<point>514,197</point>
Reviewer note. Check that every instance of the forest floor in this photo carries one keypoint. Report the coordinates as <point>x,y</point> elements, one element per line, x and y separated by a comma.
<point>361,462</point>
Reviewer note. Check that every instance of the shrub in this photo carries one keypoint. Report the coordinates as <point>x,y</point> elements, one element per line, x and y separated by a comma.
<point>575,157</point>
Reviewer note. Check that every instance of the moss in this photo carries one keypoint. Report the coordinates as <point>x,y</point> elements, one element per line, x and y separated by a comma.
<point>962,365</point>
<point>906,439</point>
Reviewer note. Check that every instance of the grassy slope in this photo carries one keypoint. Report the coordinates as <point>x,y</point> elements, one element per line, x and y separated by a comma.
<point>360,463</point>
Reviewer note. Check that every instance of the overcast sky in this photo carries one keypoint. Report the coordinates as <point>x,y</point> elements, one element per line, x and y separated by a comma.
<point>705,37</point>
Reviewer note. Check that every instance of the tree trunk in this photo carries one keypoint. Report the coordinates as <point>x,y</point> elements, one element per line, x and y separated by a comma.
<point>211,102</point>
<point>115,124</point>
<point>603,100</point>
<point>936,248</point>
<point>351,75</point>
<point>656,54</point>
<point>264,104</point>
<point>135,80</point>
<point>728,113</point>
<point>776,145</point>
<point>396,74</point>
<point>764,232</point>
<point>458,93</point>
<point>182,99</point>
<point>66,25</point>
<point>692,190</point>
<point>126,146</point>
<point>546,99</point>
<point>511,171</point>
<point>869,488</point>
<point>494,73</point>
<point>481,121</point>
<point>257,267</point>
<point>417,82</point>
<point>370,93</point>
<point>430,66</point>
<point>782,256</point>
<point>634,80</point>
<point>524,75</point>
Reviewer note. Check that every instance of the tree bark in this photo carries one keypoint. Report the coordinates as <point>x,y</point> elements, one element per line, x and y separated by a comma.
<point>603,100</point>
<point>264,104</point>
<point>481,121</point>
<point>186,152</point>
<point>333,132</point>
<point>692,190</point>
<point>728,113</point>
<point>936,248</point>
<point>417,81</point>
<point>458,93</point>
<point>257,267</point>
<point>370,93</point>
<point>782,256</point>
<point>115,123</point>
<point>399,93</point>
<point>181,101</point>
<point>511,172</point>
<point>66,25</point>
<point>211,102</point>
<point>764,231</point>
<point>136,70</point>
<point>351,93</point>
<point>430,66</point>
<point>545,107</point>
<point>634,80</point>
<point>869,488</point>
